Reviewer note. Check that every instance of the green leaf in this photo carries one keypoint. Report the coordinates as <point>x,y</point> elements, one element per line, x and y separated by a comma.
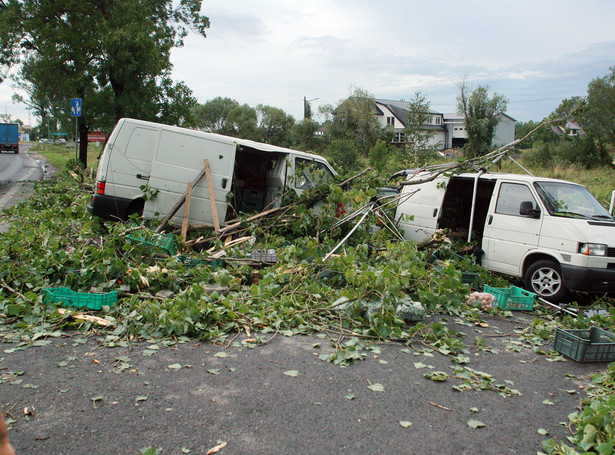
<point>214,371</point>
<point>542,431</point>
<point>548,402</point>
<point>438,376</point>
<point>377,387</point>
<point>292,373</point>
<point>405,423</point>
<point>472,423</point>
<point>175,366</point>
<point>221,355</point>
<point>141,398</point>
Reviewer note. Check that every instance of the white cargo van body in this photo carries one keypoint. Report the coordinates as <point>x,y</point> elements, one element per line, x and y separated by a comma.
<point>551,233</point>
<point>144,157</point>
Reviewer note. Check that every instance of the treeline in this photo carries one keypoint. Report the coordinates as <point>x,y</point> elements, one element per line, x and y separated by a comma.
<point>581,131</point>
<point>350,135</point>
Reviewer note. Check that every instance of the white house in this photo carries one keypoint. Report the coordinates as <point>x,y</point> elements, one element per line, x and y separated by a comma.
<point>450,129</point>
<point>394,114</point>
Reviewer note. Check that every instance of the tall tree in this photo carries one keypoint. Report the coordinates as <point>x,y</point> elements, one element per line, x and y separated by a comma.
<point>112,54</point>
<point>600,113</point>
<point>275,125</point>
<point>212,115</point>
<point>304,137</point>
<point>419,137</point>
<point>242,121</point>
<point>482,114</point>
<point>354,119</point>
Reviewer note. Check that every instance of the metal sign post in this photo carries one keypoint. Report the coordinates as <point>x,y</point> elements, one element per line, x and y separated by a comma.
<point>75,111</point>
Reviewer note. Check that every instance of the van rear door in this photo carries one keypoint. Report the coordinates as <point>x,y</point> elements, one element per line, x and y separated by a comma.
<point>179,160</point>
<point>419,208</point>
<point>508,234</point>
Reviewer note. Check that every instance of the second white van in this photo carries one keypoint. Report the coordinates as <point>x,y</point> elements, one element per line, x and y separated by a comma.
<point>551,233</point>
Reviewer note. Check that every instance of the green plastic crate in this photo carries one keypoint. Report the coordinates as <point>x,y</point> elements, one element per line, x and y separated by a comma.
<point>164,242</point>
<point>512,298</point>
<point>68,297</point>
<point>589,345</point>
<point>471,278</point>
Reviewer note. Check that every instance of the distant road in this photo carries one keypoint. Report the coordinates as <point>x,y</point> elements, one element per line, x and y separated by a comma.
<point>17,172</point>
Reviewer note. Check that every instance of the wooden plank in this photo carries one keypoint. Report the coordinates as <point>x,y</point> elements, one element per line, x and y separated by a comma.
<point>179,203</point>
<point>212,196</point>
<point>186,211</point>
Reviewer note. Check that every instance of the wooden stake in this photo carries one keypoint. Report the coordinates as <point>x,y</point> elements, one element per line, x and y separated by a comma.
<point>178,204</point>
<point>186,211</point>
<point>212,196</point>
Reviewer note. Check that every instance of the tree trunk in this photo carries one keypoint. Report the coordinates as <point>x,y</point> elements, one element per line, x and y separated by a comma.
<point>83,144</point>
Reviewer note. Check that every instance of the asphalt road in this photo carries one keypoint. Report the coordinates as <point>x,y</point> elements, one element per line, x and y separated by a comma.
<point>17,171</point>
<point>280,398</point>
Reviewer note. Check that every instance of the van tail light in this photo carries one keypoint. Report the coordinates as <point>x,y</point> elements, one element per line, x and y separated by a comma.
<point>100,187</point>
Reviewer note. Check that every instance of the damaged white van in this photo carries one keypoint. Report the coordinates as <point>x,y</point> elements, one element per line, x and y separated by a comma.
<point>144,158</point>
<point>551,233</point>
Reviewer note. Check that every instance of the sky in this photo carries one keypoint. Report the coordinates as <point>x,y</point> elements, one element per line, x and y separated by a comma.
<point>276,52</point>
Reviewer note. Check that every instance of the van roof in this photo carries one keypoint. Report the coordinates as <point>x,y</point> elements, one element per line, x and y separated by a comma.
<point>515,177</point>
<point>418,173</point>
<point>222,138</point>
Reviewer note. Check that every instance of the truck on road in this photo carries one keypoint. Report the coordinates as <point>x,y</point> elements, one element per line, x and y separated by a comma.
<point>9,137</point>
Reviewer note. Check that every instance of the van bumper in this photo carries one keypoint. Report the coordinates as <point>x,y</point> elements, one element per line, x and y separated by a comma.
<point>108,207</point>
<point>588,279</point>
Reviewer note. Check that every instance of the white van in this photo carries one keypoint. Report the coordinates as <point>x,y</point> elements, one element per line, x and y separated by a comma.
<point>144,158</point>
<point>551,233</point>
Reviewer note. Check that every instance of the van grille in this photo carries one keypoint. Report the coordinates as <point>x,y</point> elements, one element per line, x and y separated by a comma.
<point>611,252</point>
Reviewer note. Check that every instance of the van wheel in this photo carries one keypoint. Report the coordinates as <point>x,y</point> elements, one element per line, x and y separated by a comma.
<point>544,278</point>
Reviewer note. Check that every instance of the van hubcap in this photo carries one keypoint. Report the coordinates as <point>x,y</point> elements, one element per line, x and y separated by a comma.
<point>546,281</point>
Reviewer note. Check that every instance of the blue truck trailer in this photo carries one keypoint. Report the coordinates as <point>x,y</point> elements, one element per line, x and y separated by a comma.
<point>9,137</point>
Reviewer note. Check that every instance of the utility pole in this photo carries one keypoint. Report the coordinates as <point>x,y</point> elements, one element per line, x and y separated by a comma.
<point>307,110</point>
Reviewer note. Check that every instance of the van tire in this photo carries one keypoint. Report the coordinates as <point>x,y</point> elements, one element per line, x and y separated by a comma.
<point>545,278</point>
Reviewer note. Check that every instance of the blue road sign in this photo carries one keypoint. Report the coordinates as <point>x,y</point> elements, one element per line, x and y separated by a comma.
<point>75,107</point>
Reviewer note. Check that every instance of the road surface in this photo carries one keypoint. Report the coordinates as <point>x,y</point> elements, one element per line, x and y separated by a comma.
<point>18,172</point>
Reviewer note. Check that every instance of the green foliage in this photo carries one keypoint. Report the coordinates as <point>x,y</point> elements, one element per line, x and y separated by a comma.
<point>418,137</point>
<point>380,156</point>
<point>113,55</point>
<point>53,242</point>
<point>593,423</point>
<point>212,116</point>
<point>583,151</point>
<point>353,120</point>
<point>274,125</point>
<point>600,115</point>
<point>482,114</point>
<point>344,154</point>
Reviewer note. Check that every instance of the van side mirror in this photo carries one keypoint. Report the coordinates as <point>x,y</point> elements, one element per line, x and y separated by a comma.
<point>527,209</point>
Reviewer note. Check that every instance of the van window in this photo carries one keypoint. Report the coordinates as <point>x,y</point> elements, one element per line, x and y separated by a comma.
<point>570,200</point>
<point>510,198</point>
<point>141,144</point>
<point>310,173</point>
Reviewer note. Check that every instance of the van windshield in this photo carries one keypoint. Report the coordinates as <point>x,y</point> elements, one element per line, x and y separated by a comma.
<point>570,200</point>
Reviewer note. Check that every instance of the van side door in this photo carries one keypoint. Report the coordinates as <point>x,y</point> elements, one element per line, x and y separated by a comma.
<point>512,227</point>
<point>178,161</point>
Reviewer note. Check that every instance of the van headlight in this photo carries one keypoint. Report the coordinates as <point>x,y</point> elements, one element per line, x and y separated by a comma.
<point>593,249</point>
